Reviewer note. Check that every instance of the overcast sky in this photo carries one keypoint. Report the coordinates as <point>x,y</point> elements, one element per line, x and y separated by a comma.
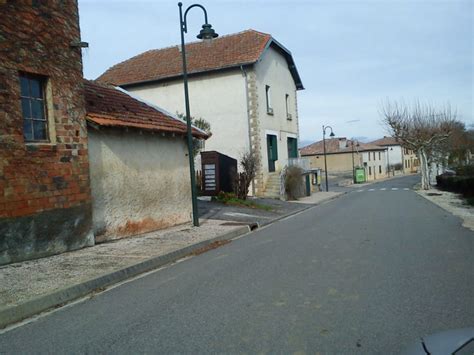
<point>351,54</point>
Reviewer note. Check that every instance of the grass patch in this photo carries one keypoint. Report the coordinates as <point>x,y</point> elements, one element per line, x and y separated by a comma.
<point>230,199</point>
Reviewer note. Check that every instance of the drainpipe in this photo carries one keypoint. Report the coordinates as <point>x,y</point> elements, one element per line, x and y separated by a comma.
<point>244,74</point>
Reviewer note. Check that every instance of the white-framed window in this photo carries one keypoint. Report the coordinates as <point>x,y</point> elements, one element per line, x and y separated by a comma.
<point>287,105</point>
<point>268,97</point>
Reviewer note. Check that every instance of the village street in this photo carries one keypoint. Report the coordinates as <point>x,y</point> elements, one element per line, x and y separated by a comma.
<point>369,272</point>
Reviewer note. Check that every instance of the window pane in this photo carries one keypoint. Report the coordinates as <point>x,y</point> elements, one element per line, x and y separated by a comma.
<point>24,86</point>
<point>37,109</point>
<point>36,89</point>
<point>39,128</point>
<point>25,107</point>
<point>27,130</point>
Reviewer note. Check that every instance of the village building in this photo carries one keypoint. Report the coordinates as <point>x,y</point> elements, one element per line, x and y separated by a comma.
<point>342,155</point>
<point>245,85</point>
<point>45,200</point>
<point>139,165</point>
<point>399,158</point>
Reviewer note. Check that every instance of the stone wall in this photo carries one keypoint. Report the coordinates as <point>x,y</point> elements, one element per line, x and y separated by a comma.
<point>255,141</point>
<point>45,202</point>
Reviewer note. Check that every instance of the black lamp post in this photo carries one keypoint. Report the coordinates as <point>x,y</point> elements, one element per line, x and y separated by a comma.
<point>207,33</point>
<point>324,147</point>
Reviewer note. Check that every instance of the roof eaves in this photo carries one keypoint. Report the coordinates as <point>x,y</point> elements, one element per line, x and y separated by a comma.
<point>163,111</point>
<point>289,58</point>
<point>177,76</point>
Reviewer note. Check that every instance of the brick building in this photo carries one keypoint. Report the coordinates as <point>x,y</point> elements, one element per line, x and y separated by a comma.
<point>45,202</point>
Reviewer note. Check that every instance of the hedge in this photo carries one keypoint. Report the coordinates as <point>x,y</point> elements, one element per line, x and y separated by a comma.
<point>460,184</point>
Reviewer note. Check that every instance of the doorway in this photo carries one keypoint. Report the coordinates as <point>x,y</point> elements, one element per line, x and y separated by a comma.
<point>272,151</point>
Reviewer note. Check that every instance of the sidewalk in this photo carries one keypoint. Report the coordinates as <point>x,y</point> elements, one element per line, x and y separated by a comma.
<point>452,203</point>
<point>30,287</point>
<point>318,197</point>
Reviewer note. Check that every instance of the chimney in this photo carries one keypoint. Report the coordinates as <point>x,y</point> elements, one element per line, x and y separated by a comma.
<point>342,143</point>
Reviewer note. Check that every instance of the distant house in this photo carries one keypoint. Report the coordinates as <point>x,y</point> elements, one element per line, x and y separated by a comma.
<point>45,200</point>
<point>244,84</point>
<point>138,164</point>
<point>398,157</point>
<point>342,154</point>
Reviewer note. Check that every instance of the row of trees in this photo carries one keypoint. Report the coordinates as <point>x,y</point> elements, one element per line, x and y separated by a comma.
<point>433,133</point>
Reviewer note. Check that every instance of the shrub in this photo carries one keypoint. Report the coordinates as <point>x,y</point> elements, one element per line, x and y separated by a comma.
<point>249,163</point>
<point>293,182</point>
<point>460,184</point>
<point>465,170</point>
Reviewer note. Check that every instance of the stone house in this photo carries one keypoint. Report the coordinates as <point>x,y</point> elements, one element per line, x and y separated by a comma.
<point>398,157</point>
<point>138,164</point>
<point>244,84</point>
<point>342,154</point>
<point>45,200</point>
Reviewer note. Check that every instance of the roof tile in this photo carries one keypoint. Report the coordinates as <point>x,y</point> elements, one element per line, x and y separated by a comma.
<point>333,146</point>
<point>223,52</point>
<point>110,106</point>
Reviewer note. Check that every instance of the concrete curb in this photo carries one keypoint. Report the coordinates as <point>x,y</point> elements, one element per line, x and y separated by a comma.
<point>22,311</point>
<point>312,205</point>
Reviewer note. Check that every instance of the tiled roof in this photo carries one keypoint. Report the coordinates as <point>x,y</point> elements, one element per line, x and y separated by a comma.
<point>229,51</point>
<point>386,141</point>
<point>110,106</point>
<point>333,146</point>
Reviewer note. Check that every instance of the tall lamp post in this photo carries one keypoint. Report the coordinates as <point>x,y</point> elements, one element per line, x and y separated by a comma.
<point>353,166</point>
<point>324,147</point>
<point>388,159</point>
<point>207,33</point>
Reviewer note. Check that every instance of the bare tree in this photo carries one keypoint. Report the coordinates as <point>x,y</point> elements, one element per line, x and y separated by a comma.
<point>249,163</point>
<point>421,128</point>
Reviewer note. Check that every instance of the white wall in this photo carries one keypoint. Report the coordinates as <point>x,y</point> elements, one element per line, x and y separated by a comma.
<point>219,98</point>
<point>374,164</point>
<point>139,182</point>
<point>394,153</point>
<point>273,70</point>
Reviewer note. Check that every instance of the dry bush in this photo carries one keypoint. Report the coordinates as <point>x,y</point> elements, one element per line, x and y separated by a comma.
<point>293,182</point>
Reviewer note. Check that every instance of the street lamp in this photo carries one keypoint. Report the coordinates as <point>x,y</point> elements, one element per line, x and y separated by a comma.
<point>324,147</point>
<point>388,159</point>
<point>207,34</point>
<point>353,167</point>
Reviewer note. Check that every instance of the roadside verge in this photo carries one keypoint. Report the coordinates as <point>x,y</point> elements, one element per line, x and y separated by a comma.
<point>452,203</point>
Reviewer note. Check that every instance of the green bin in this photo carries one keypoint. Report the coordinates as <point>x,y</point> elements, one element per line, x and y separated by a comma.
<point>359,175</point>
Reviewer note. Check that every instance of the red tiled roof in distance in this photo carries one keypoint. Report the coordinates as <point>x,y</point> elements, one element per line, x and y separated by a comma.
<point>386,141</point>
<point>110,106</point>
<point>228,51</point>
<point>333,146</point>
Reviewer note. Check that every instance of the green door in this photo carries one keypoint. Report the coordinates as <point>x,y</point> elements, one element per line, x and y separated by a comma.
<point>272,151</point>
<point>292,144</point>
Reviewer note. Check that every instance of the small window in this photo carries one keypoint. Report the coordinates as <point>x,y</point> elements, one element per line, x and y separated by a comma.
<point>380,169</point>
<point>374,155</point>
<point>379,156</point>
<point>33,107</point>
<point>370,170</point>
<point>369,155</point>
<point>269,102</point>
<point>287,103</point>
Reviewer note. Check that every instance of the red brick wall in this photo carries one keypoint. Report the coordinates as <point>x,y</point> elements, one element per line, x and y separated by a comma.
<point>37,177</point>
<point>36,37</point>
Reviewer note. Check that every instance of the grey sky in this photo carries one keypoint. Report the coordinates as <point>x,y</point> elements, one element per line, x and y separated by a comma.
<point>351,55</point>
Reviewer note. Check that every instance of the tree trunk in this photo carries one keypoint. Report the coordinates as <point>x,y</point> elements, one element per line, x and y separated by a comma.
<point>425,175</point>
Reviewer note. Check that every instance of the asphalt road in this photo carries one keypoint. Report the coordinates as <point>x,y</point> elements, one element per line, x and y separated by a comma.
<point>366,273</point>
